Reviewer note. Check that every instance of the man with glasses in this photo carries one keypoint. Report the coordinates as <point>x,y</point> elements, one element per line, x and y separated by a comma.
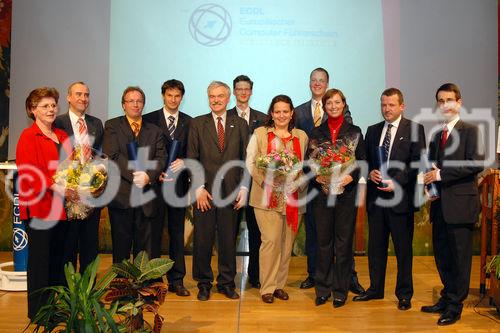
<point>83,129</point>
<point>242,91</point>
<point>308,116</point>
<point>125,136</point>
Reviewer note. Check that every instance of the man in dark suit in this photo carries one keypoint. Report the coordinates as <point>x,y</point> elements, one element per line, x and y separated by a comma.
<point>242,90</point>
<point>83,129</point>
<point>131,213</point>
<point>175,126</point>
<point>215,139</point>
<point>390,196</point>
<point>454,212</point>
<point>308,116</point>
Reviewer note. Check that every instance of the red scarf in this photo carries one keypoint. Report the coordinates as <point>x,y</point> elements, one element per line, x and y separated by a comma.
<point>334,125</point>
<point>292,210</point>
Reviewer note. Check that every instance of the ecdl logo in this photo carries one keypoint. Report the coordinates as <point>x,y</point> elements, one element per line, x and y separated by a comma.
<point>210,24</point>
<point>19,239</point>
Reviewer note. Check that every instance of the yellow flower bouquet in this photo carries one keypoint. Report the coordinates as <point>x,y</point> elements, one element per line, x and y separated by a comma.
<point>86,177</point>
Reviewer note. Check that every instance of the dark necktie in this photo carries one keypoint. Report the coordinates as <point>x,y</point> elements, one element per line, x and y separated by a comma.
<point>171,126</point>
<point>387,141</point>
<point>220,133</point>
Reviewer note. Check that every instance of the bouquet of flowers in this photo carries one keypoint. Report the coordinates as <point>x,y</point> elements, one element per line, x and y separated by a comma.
<point>85,176</point>
<point>331,161</point>
<point>282,164</point>
<point>280,167</point>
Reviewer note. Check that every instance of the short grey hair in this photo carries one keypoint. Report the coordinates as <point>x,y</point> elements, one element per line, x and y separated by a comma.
<point>216,84</point>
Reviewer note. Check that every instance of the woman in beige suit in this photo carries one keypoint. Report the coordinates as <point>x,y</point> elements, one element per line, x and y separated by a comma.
<point>278,206</point>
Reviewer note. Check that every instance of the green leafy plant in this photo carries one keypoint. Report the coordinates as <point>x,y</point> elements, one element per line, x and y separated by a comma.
<point>78,307</point>
<point>494,265</point>
<point>137,290</point>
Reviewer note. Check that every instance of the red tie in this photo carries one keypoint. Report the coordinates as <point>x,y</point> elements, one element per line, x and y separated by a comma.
<point>220,134</point>
<point>444,137</point>
<point>84,139</point>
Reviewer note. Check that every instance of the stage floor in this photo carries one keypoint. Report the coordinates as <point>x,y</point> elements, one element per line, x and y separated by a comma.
<point>299,314</point>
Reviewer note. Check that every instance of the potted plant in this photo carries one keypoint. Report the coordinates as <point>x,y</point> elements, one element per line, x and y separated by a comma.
<point>137,289</point>
<point>77,307</point>
<point>493,267</point>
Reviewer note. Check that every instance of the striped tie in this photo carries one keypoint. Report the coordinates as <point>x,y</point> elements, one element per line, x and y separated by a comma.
<point>135,128</point>
<point>220,134</point>
<point>171,126</point>
<point>317,115</point>
<point>84,139</point>
<point>387,141</point>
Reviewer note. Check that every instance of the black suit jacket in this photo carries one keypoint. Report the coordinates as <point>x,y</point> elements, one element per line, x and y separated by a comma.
<point>94,128</point>
<point>404,149</point>
<point>203,146</point>
<point>304,119</point>
<point>181,134</point>
<point>117,134</point>
<point>459,193</point>
<point>256,118</point>
<point>348,131</point>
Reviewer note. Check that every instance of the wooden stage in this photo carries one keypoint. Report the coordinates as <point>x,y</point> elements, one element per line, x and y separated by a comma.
<point>299,314</point>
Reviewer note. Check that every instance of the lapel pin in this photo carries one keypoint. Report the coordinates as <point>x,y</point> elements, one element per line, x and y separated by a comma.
<point>401,138</point>
<point>231,125</point>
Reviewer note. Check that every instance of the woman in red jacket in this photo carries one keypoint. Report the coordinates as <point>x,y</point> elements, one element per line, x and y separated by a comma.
<point>41,201</point>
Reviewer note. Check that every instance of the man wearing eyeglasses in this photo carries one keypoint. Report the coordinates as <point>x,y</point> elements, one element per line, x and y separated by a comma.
<point>308,116</point>
<point>131,215</point>
<point>83,129</point>
<point>242,91</point>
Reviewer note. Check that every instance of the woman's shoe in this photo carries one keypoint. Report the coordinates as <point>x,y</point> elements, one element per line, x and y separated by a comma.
<point>268,298</point>
<point>338,302</point>
<point>320,300</point>
<point>281,294</point>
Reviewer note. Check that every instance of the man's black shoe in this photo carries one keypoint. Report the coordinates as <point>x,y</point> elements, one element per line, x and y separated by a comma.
<point>448,317</point>
<point>179,290</point>
<point>366,297</point>
<point>228,291</point>
<point>404,304</point>
<point>203,293</point>
<point>439,307</point>
<point>307,283</point>
<point>355,287</point>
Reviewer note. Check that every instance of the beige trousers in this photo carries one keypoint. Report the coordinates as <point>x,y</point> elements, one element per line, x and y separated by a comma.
<point>275,251</point>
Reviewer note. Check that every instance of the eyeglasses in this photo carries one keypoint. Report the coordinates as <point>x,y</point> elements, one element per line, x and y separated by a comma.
<point>134,101</point>
<point>46,107</point>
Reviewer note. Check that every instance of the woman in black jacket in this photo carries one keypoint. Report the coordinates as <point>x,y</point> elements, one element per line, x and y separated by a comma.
<point>334,206</point>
